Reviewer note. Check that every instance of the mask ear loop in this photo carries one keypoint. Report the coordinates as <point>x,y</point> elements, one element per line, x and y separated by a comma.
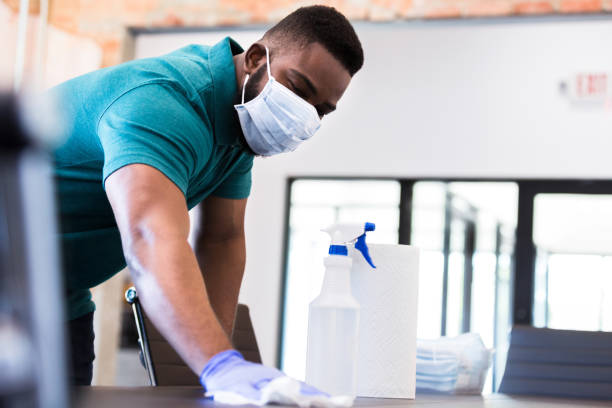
<point>268,62</point>
<point>246,78</point>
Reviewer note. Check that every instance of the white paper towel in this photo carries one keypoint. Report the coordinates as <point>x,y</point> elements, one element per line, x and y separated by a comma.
<point>386,362</point>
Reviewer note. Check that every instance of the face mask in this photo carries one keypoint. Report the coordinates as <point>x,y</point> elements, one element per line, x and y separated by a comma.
<point>428,367</point>
<point>276,120</point>
<point>455,365</point>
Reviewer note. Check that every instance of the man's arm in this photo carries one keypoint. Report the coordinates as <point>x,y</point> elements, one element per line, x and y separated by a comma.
<point>220,249</point>
<point>153,220</point>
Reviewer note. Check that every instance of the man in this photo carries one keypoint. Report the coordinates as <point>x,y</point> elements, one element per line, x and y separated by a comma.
<point>150,139</point>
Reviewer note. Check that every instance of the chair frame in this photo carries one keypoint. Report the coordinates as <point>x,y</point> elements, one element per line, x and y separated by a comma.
<point>145,353</point>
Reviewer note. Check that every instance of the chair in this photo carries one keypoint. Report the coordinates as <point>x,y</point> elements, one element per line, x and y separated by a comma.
<point>162,363</point>
<point>562,363</point>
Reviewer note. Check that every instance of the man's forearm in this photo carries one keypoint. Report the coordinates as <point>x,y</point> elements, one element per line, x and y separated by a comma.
<point>222,264</point>
<point>173,294</point>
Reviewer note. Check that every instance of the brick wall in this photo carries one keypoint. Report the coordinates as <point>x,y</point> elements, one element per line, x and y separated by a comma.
<point>106,21</point>
<point>72,50</point>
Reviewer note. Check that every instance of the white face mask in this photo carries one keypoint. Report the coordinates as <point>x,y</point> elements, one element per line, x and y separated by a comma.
<point>276,120</point>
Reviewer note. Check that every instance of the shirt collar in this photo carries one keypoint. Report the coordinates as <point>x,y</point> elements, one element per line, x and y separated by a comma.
<point>226,124</point>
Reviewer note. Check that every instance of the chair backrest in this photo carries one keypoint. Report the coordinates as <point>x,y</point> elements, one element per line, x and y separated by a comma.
<point>562,363</point>
<point>163,364</point>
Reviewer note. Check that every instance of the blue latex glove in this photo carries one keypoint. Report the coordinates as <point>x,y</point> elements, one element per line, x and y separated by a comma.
<point>229,371</point>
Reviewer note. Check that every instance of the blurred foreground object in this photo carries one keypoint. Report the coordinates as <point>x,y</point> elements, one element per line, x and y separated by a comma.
<point>32,355</point>
<point>455,365</point>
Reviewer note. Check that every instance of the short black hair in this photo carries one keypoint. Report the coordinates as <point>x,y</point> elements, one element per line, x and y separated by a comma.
<point>323,25</point>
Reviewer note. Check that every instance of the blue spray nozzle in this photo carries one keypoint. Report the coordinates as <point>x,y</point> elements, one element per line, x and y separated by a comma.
<point>361,246</point>
<point>343,234</point>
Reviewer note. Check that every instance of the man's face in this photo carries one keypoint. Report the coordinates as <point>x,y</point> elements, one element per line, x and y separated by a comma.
<point>310,72</point>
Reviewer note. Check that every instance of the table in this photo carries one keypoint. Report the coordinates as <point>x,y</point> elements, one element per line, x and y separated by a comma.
<point>187,397</point>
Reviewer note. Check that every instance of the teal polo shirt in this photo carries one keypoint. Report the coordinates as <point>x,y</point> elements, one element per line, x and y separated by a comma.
<point>174,113</point>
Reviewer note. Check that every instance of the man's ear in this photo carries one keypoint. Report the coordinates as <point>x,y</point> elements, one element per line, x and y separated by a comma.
<point>254,57</point>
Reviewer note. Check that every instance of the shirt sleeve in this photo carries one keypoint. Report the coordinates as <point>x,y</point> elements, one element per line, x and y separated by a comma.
<point>237,185</point>
<point>154,125</point>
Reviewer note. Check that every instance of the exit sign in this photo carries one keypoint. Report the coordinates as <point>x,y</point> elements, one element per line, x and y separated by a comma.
<point>590,90</point>
<point>591,86</point>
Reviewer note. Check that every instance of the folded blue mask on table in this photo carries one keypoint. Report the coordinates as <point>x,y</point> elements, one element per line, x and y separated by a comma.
<point>452,365</point>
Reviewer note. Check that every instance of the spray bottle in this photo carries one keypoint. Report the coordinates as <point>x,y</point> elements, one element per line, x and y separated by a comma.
<point>333,318</point>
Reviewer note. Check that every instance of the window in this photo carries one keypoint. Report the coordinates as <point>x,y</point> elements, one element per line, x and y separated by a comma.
<point>573,280</point>
<point>427,233</point>
<point>314,205</point>
<point>465,231</point>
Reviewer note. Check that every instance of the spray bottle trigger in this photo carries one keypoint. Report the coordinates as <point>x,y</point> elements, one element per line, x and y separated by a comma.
<point>361,246</point>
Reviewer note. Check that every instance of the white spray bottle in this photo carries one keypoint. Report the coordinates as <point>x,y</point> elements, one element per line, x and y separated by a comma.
<point>333,318</point>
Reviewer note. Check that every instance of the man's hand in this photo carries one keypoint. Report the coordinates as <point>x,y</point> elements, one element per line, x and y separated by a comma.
<point>228,371</point>
<point>153,220</point>
<point>220,249</point>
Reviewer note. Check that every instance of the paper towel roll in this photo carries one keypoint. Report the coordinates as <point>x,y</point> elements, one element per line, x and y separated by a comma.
<point>386,362</point>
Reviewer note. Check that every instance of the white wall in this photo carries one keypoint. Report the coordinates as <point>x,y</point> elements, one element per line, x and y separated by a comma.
<point>453,99</point>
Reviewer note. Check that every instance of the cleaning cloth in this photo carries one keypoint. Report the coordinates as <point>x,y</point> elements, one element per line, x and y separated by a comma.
<point>283,391</point>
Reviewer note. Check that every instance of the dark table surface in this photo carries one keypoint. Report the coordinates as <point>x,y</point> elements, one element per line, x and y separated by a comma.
<point>187,397</point>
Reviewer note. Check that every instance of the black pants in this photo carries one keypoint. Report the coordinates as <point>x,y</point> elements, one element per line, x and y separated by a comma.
<point>81,349</point>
